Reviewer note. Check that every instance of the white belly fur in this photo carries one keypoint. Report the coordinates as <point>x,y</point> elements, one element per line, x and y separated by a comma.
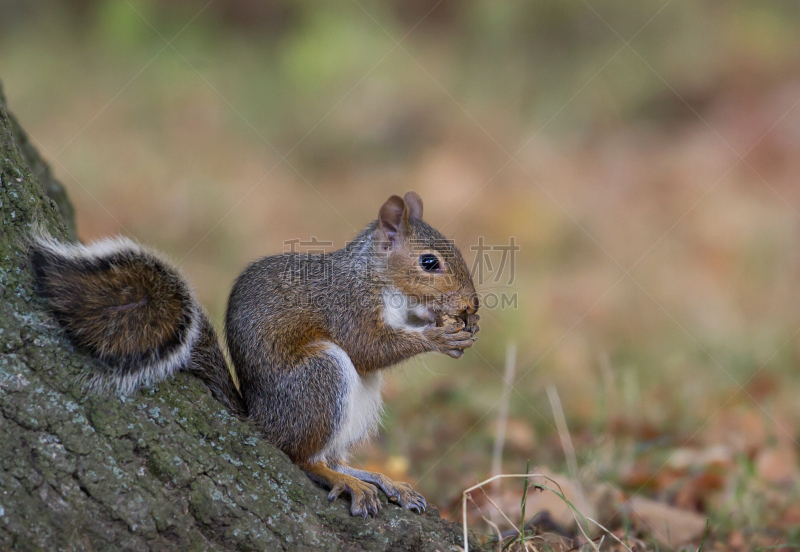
<point>362,406</point>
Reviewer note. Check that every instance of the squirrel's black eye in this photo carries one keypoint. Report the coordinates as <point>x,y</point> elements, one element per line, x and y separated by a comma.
<point>429,262</point>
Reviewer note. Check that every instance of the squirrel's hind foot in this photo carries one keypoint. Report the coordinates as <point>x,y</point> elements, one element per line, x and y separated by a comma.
<point>364,499</point>
<point>399,492</point>
<point>407,497</point>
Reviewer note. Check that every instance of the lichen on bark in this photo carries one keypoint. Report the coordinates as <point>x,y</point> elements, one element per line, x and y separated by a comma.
<point>166,469</point>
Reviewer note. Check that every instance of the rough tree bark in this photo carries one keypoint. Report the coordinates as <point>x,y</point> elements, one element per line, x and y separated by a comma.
<point>167,469</point>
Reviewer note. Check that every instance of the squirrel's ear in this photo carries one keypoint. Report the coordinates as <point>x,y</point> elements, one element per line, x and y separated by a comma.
<point>393,217</point>
<point>414,204</point>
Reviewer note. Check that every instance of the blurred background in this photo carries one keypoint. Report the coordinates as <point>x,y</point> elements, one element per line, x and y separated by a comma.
<point>643,157</point>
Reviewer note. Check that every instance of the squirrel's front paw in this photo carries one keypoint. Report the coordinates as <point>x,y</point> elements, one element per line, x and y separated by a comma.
<point>364,499</point>
<point>472,323</point>
<point>451,338</point>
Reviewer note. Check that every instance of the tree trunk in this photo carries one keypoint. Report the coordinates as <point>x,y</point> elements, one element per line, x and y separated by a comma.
<point>166,469</point>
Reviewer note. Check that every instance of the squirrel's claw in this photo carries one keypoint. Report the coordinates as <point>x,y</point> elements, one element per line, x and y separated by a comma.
<point>364,499</point>
<point>418,506</point>
<point>406,496</point>
<point>370,506</point>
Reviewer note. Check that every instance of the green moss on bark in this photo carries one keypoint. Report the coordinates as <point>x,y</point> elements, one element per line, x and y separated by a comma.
<point>167,469</point>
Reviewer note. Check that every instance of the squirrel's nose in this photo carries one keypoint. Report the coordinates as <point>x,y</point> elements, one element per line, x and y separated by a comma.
<point>473,303</point>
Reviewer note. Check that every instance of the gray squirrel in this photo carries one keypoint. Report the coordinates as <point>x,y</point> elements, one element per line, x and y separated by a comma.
<point>309,335</point>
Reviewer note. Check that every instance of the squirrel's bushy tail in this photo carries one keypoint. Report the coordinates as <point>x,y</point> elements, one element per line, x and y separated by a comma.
<point>132,310</point>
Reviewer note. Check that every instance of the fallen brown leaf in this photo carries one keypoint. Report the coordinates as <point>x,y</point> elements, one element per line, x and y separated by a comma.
<point>778,465</point>
<point>668,524</point>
